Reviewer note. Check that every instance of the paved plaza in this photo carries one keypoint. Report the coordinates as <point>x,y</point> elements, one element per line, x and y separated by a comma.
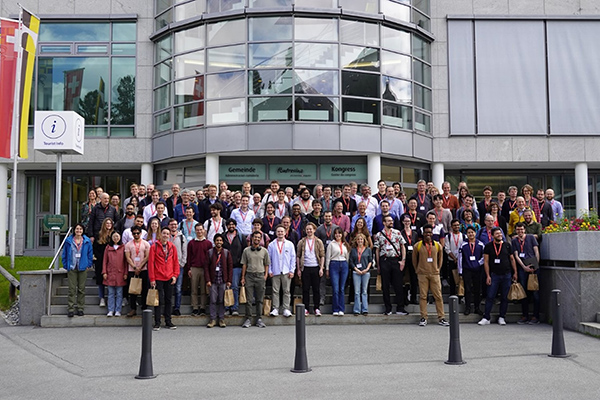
<point>347,361</point>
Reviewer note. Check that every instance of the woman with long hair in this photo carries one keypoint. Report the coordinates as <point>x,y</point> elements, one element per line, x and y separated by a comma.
<point>114,272</point>
<point>77,258</point>
<point>136,205</point>
<point>86,208</point>
<point>153,235</point>
<point>361,260</point>
<point>463,191</point>
<point>104,235</point>
<point>499,221</point>
<point>360,226</point>
<point>336,261</point>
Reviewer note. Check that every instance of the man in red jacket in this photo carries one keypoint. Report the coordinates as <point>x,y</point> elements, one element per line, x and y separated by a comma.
<point>163,270</point>
<point>218,276</point>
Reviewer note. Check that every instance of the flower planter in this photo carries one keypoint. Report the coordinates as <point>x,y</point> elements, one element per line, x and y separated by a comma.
<point>581,249</point>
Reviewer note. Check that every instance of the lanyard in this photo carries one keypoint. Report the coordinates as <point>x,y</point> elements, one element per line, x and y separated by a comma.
<point>446,202</point>
<point>280,248</point>
<point>336,220</point>
<point>189,226</point>
<point>78,246</point>
<point>497,250</point>
<point>218,225</point>
<point>255,208</point>
<point>341,248</point>
<point>328,232</point>
<point>359,252</point>
<point>456,238</point>
<point>428,246</point>
<point>281,209</point>
<point>522,244</point>
<point>472,247</point>
<point>152,209</point>
<point>347,204</point>
<point>230,237</point>
<point>218,260</point>
<point>305,206</point>
<point>310,244</point>
<point>137,247</point>
<point>511,204</point>
<point>421,198</point>
<point>271,222</point>
<point>388,236</point>
<point>295,224</point>
<point>489,233</point>
<point>409,236</point>
<point>439,216</point>
<point>243,215</point>
<point>413,219</point>
<point>327,204</point>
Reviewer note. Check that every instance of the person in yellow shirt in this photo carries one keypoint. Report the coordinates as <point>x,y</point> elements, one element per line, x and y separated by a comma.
<point>517,216</point>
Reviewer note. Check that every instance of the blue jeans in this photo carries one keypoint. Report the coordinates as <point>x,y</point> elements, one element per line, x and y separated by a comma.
<point>535,294</point>
<point>178,285</point>
<point>501,282</point>
<point>338,273</point>
<point>235,285</point>
<point>115,298</point>
<point>101,291</point>
<point>361,282</point>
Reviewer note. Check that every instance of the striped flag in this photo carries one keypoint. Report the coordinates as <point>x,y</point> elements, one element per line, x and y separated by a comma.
<point>73,83</point>
<point>99,117</point>
<point>8,67</point>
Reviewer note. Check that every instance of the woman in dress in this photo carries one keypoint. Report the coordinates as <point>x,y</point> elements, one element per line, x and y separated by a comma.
<point>77,258</point>
<point>104,235</point>
<point>361,260</point>
<point>114,272</point>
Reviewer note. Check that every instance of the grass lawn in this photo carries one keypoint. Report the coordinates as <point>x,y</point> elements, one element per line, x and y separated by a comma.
<point>21,264</point>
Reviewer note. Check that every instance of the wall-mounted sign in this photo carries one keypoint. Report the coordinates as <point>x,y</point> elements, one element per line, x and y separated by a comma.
<point>284,172</point>
<point>249,172</point>
<point>58,132</point>
<point>344,172</point>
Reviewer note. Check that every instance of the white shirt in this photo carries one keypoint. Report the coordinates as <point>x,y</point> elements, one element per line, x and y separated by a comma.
<point>149,212</point>
<point>372,206</point>
<point>244,220</point>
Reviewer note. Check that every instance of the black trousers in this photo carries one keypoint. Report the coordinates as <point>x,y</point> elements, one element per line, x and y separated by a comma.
<point>472,282</point>
<point>165,298</point>
<point>310,278</point>
<point>414,281</point>
<point>145,286</point>
<point>391,275</point>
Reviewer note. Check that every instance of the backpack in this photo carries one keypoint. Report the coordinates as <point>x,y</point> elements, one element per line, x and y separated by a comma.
<point>420,244</point>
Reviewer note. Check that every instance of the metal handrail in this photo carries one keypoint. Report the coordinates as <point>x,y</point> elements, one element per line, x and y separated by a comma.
<point>52,270</point>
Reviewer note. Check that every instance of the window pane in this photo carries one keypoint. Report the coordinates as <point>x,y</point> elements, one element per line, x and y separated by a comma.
<point>363,58</point>
<point>422,122</point>
<point>226,32</point>
<point>317,108</point>
<point>395,64</point>
<point>361,33</point>
<point>421,20</point>
<point>423,5</point>
<point>270,81</point>
<point>359,84</point>
<point>194,174</point>
<point>96,131</point>
<point>262,29</point>
<point>225,5</point>
<point>368,6</point>
<point>422,97</point>
<point>82,31</point>
<point>315,81</point>
<point>422,72</point>
<point>92,48</point>
<point>163,73</point>
<point>162,5</point>
<point>397,115</point>
<point>226,112</point>
<point>189,116</point>
<point>55,48</point>
<point>266,55</point>
<point>123,49</point>
<point>163,19</point>
<point>189,90</point>
<point>123,91</point>
<point>393,39</point>
<point>316,3</point>
<point>396,90</point>
<point>316,29</point>
<point>189,39</point>
<point>163,49</point>
<point>189,64</point>
<point>189,10</point>
<point>224,58</point>
<point>270,109</point>
<point>229,84</point>
<point>270,3</point>
<point>122,132</point>
<point>314,55</point>
<point>360,111</point>
<point>162,122</point>
<point>421,49</point>
<point>393,8</point>
<point>162,97</point>
<point>124,31</point>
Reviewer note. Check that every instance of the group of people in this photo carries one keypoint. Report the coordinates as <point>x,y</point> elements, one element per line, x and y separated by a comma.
<point>232,240</point>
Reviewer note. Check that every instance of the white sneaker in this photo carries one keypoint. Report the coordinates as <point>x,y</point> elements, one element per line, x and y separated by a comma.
<point>287,313</point>
<point>341,313</point>
<point>484,321</point>
<point>335,314</point>
<point>110,314</point>
<point>102,302</point>
<point>501,321</point>
<point>117,314</point>
<point>274,313</point>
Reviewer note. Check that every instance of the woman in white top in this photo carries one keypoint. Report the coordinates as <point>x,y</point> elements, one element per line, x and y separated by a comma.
<point>336,261</point>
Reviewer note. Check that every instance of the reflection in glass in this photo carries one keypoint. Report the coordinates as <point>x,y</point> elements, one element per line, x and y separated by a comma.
<point>267,28</point>
<point>226,32</point>
<point>162,97</point>
<point>92,48</point>
<point>395,64</point>
<point>396,89</point>
<point>422,72</point>
<point>228,84</point>
<point>123,91</point>
<point>163,19</point>
<point>316,29</point>
<point>224,58</point>
<point>362,33</point>
<point>189,90</point>
<point>360,111</point>
<point>189,10</point>
<point>421,49</point>
<point>122,132</point>
<point>393,8</point>
<point>162,122</point>
<point>123,49</point>
<point>421,20</point>
<point>162,5</point>
<point>422,122</point>
<point>392,39</point>
<point>270,81</point>
<point>189,64</point>
<point>316,55</point>
<point>268,55</point>
<point>317,108</point>
<point>396,115</point>
<point>163,73</point>
<point>265,109</point>
<point>363,58</point>
<point>423,97</point>
<point>189,116</point>
<point>423,5</point>
<point>317,82</point>
<point>163,49</point>
<point>197,173</point>
<point>225,112</point>
<point>316,3</point>
<point>55,48</point>
<point>360,84</point>
<point>367,6</point>
<point>123,31</point>
<point>269,3</point>
<point>67,31</point>
<point>225,5</point>
<point>189,39</point>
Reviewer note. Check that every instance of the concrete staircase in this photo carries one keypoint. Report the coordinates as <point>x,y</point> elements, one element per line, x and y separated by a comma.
<point>96,315</point>
<point>591,328</point>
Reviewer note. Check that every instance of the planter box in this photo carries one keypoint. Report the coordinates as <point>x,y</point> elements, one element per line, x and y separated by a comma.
<point>581,249</point>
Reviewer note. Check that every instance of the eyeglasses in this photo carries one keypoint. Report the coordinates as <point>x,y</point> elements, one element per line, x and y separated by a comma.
<point>135,233</point>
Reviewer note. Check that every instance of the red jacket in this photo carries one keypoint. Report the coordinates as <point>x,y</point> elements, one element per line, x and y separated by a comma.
<point>114,265</point>
<point>160,269</point>
<point>226,265</point>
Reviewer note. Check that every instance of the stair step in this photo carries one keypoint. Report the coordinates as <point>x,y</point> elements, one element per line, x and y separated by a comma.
<point>598,317</point>
<point>591,328</point>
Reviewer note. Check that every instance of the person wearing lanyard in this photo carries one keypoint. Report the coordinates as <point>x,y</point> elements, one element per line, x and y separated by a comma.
<point>304,201</point>
<point>454,241</point>
<point>470,261</point>
<point>361,259</point>
<point>180,243</point>
<point>283,264</point>
<point>255,271</point>
<point>244,217</point>
<point>527,257</point>
<point>77,258</point>
<point>310,261</point>
<point>427,258</point>
<point>270,221</point>
<point>136,254</point>
<point>396,207</point>
<point>390,255</point>
<point>498,263</point>
<point>327,200</point>
<point>349,206</point>
<point>341,220</point>
<point>179,210</point>
<point>484,235</point>
<point>234,243</point>
<point>150,209</point>
<point>188,225</point>
<point>215,224</point>
<point>325,233</point>
<point>336,261</point>
<point>218,276</point>
<point>196,263</point>
<point>417,219</point>
<point>410,239</point>
<point>423,199</point>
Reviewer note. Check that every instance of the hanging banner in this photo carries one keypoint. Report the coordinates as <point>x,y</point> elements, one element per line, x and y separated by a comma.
<point>8,68</point>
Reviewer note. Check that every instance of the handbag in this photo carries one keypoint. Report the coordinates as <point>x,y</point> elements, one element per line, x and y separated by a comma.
<point>228,299</point>
<point>152,298</point>
<point>378,283</point>
<point>242,297</point>
<point>516,292</point>
<point>532,283</point>
<point>135,285</point>
<point>266,306</point>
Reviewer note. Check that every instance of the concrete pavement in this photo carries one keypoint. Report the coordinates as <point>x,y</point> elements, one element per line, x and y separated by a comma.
<point>347,361</point>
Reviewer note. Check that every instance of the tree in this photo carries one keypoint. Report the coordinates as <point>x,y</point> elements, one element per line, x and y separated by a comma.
<point>123,107</point>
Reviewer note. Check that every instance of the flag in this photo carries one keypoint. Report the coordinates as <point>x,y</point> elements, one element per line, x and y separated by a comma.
<point>29,30</point>
<point>8,67</point>
<point>73,83</point>
<point>99,117</point>
<point>198,108</point>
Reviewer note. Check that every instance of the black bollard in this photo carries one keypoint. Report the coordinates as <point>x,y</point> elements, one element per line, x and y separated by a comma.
<point>146,360</point>
<point>301,361</point>
<point>454,352</point>
<point>558,339</point>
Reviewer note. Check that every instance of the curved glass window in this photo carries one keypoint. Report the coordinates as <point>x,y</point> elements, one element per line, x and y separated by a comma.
<point>270,3</point>
<point>226,58</point>
<point>391,39</point>
<point>189,90</point>
<point>189,39</point>
<point>189,116</point>
<point>267,109</point>
<point>422,72</point>
<point>269,55</point>
<point>163,49</point>
<point>395,64</point>
<point>363,58</point>
<point>226,112</point>
<point>366,6</point>
<point>317,108</point>
<point>316,3</point>
<point>226,32</point>
<point>316,29</point>
<point>421,49</point>
<point>316,55</point>
<point>356,32</point>
<point>360,84</point>
<point>189,64</point>
<point>396,115</point>
<point>397,9</point>
<point>396,90</point>
<point>215,6</point>
<point>163,73</point>
<point>162,97</point>
<point>316,82</point>
<point>269,28</point>
<point>423,97</point>
<point>189,10</point>
<point>228,84</point>
<point>270,81</point>
<point>422,122</point>
<point>162,122</point>
<point>360,111</point>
